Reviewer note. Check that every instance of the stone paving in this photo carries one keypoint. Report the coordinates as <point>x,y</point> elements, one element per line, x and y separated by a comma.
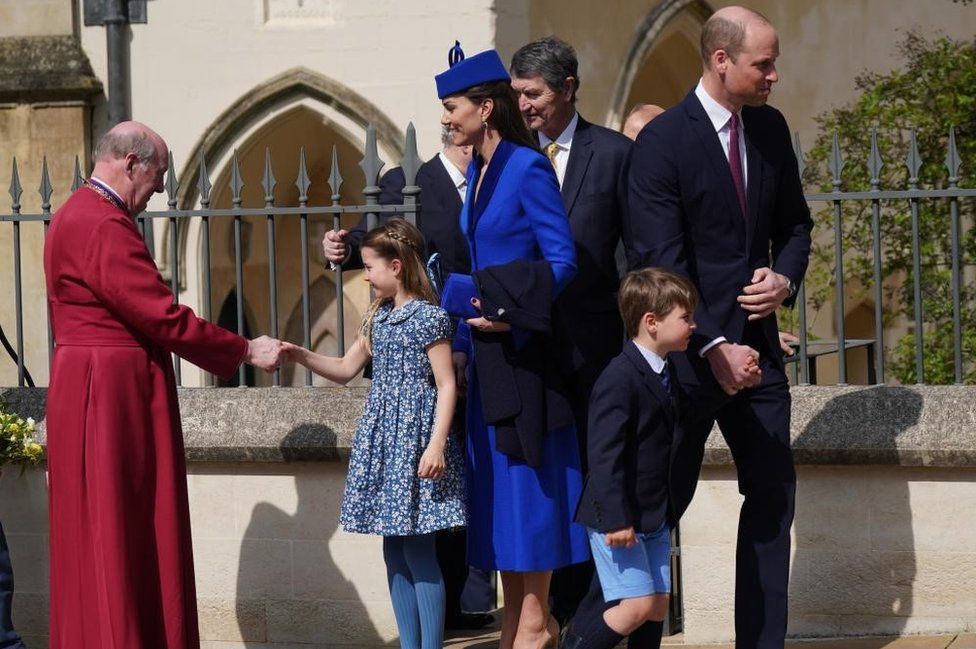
<point>489,640</point>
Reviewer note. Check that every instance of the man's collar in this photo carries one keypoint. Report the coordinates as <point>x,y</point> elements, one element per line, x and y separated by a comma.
<point>104,185</point>
<point>565,139</point>
<point>717,113</point>
<point>456,176</point>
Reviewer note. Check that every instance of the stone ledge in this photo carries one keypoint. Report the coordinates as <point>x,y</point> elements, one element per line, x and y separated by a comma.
<point>931,426</point>
<point>45,68</point>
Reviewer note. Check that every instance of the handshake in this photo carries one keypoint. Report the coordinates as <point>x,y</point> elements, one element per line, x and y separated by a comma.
<point>269,353</point>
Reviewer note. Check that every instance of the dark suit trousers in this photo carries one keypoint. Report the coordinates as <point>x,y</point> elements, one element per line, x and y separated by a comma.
<point>756,426</point>
<point>8,637</point>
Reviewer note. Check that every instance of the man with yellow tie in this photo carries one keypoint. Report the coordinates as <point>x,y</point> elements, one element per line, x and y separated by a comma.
<point>590,162</point>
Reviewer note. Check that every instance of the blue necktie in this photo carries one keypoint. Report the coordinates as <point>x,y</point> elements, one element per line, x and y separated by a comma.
<point>665,380</point>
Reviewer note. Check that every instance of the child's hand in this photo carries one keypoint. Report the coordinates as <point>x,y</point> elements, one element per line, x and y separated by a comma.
<point>624,538</point>
<point>291,353</point>
<point>431,463</point>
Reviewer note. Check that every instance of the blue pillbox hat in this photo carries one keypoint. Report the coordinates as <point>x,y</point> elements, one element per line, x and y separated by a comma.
<point>465,73</point>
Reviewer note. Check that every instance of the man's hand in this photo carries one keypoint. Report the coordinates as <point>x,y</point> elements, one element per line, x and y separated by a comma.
<point>735,367</point>
<point>264,352</point>
<point>765,294</point>
<point>785,338</point>
<point>624,538</point>
<point>460,362</point>
<point>335,247</point>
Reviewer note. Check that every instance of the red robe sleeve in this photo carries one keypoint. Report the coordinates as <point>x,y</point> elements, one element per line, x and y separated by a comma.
<point>122,275</point>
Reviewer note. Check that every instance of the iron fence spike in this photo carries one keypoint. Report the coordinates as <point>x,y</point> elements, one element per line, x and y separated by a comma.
<point>836,161</point>
<point>875,163</point>
<point>953,161</point>
<point>411,158</point>
<point>801,163</point>
<point>203,181</point>
<point>335,178</point>
<point>914,160</point>
<point>236,182</point>
<point>46,189</point>
<point>172,184</point>
<point>302,182</point>
<point>268,181</point>
<point>371,163</point>
<point>77,178</point>
<point>16,190</point>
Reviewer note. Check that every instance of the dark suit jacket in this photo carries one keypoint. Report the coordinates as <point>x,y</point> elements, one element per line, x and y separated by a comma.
<point>684,213</point>
<point>438,218</point>
<point>632,420</point>
<point>594,194</point>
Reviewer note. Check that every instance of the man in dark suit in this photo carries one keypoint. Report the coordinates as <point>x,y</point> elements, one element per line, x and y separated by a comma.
<point>442,190</point>
<point>715,194</point>
<point>590,162</point>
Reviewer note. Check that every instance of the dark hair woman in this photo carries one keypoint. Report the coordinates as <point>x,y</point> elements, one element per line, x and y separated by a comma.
<point>523,472</point>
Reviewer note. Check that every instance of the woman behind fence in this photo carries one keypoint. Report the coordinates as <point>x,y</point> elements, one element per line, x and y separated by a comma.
<point>523,463</point>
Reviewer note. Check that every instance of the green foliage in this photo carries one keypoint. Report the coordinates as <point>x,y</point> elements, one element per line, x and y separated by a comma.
<point>935,89</point>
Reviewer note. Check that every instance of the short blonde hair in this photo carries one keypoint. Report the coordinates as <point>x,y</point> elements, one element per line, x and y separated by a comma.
<point>653,290</point>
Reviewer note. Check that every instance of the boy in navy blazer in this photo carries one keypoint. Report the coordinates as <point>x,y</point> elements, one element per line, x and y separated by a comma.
<point>626,500</point>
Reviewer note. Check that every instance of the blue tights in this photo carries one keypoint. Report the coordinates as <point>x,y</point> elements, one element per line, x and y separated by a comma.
<point>417,590</point>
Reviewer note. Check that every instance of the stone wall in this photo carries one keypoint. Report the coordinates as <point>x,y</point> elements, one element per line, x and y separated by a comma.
<point>882,534</point>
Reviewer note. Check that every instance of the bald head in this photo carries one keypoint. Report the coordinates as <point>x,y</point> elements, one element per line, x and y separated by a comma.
<point>129,137</point>
<point>726,30</point>
<point>639,116</point>
<point>132,159</point>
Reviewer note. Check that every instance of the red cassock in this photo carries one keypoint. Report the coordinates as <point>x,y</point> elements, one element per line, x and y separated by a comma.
<point>121,556</point>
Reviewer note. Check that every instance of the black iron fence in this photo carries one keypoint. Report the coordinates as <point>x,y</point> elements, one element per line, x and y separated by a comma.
<point>878,202</point>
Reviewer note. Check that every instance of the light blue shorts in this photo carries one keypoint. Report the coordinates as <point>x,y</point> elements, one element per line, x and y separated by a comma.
<point>640,570</point>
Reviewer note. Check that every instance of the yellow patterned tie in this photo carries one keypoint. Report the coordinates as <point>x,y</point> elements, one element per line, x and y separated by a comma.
<point>551,150</point>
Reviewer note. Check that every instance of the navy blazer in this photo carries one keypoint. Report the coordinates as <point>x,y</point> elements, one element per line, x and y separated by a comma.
<point>594,193</point>
<point>440,206</point>
<point>684,213</point>
<point>629,447</point>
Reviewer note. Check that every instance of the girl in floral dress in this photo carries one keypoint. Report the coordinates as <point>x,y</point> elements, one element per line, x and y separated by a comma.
<point>405,471</point>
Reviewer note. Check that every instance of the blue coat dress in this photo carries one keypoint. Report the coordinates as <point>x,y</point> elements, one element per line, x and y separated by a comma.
<point>520,517</point>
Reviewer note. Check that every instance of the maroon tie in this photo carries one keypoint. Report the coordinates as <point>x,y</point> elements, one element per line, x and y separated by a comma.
<point>735,162</point>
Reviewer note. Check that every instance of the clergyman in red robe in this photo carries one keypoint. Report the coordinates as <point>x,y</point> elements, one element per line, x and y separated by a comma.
<point>121,556</point>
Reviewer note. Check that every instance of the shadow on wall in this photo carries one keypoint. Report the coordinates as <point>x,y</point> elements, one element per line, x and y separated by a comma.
<point>24,515</point>
<point>317,605</point>
<point>854,563</point>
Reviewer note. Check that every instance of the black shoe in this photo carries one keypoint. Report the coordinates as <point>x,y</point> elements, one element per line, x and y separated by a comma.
<point>468,621</point>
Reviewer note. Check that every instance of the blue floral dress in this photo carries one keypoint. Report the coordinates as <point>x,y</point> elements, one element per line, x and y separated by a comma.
<point>383,493</point>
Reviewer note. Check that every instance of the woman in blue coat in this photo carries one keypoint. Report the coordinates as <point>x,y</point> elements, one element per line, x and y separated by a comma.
<point>520,512</point>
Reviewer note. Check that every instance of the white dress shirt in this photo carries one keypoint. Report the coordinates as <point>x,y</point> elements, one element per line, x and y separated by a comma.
<point>720,116</point>
<point>460,182</point>
<point>565,142</point>
<point>656,362</point>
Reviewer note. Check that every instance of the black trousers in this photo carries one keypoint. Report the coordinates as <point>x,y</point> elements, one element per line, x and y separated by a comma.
<point>756,426</point>
<point>8,637</point>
